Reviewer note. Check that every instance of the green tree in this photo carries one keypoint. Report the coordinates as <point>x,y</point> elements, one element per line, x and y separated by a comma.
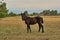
<point>48,12</point>
<point>34,13</point>
<point>3,10</point>
<point>54,12</point>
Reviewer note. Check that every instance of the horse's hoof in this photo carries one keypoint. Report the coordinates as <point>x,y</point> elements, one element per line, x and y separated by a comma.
<point>27,32</point>
<point>43,32</point>
<point>38,31</point>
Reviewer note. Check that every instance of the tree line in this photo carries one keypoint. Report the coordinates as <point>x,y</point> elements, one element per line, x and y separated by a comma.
<point>4,12</point>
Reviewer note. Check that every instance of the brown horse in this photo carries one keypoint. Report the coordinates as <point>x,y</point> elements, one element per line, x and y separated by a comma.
<point>31,21</point>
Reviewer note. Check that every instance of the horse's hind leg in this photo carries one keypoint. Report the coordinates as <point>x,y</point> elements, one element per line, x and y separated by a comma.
<point>42,28</point>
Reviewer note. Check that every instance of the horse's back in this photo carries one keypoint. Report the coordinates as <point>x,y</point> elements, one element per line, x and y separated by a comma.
<point>39,19</point>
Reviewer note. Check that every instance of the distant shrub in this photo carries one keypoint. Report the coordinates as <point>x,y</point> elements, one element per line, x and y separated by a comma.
<point>2,15</point>
<point>12,14</point>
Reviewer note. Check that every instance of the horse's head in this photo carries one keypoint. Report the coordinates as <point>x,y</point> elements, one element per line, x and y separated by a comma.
<point>23,15</point>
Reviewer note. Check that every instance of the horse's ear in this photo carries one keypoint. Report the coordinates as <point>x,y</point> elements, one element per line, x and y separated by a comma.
<point>21,13</point>
<point>24,13</point>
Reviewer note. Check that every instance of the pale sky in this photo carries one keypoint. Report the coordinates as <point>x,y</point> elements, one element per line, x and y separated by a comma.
<point>33,4</point>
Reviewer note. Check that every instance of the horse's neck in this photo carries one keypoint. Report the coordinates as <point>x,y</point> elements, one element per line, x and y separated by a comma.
<point>27,17</point>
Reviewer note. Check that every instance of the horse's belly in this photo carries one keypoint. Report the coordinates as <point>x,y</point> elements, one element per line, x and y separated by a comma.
<point>33,22</point>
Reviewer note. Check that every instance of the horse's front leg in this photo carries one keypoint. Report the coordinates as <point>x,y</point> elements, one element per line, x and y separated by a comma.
<point>28,28</point>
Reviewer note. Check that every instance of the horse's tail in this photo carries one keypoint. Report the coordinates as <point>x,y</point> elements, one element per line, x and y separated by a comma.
<point>42,20</point>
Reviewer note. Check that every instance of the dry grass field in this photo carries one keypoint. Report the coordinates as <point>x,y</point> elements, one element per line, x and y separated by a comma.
<point>13,28</point>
